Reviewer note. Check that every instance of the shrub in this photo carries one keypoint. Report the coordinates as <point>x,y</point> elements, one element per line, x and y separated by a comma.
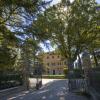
<point>10,80</point>
<point>53,76</point>
<point>65,72</point>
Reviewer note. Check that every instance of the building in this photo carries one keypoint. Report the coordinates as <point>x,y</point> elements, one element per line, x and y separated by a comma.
<point>54,63</point>
<point>93,56</point>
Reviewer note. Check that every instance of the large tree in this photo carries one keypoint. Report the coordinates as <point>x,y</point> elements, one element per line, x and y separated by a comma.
<point>71,26</point>
<point>15,18</point>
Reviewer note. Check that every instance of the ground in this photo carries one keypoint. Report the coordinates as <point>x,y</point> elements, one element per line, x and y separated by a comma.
<point>52,90</point>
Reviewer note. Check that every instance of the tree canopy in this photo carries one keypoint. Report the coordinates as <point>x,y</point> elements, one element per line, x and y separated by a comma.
<point>73,27</point>
<point>15,19</point>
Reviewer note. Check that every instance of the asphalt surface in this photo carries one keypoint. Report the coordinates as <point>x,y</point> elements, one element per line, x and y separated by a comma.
<point>53,90</point>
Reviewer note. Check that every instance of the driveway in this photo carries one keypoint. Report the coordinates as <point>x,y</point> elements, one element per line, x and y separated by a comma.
<point>52,90</point>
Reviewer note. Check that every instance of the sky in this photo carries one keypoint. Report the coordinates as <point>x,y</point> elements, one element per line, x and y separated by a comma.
<point>98,1</point>
<point>56,1</point>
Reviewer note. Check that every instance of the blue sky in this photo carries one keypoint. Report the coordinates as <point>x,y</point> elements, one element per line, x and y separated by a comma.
<point>98,1</point>
<point>56,1</point>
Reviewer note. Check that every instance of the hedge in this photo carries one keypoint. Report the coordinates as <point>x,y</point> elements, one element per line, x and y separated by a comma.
<point>10,80</point>
<point>54,76</point>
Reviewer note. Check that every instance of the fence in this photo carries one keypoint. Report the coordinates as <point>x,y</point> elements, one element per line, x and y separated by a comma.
<point>83,84</point>
<point>77,85</point>
<point>10,80</point>
<point>94,79</point>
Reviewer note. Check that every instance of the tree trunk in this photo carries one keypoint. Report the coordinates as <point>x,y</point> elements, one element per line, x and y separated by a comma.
<point>70,68</point>
<point>70,74</point>
<point>95,59</point>
<point>26,68</point>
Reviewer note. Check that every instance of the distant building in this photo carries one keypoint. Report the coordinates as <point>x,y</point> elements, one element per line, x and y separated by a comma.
<point>54,63</point>
<point>79,62</point>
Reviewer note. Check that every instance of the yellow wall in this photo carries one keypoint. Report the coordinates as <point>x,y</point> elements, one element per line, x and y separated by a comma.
<point>53,61</point>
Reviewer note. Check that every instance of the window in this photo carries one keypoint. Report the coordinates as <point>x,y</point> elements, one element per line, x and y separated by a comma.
<point>48,71</point>
<point>53,64</point>
<point>53,72</point>
<point>52,56</point>
<point>65,63</point>
<point>47,57</point>
<point>61,63</point>
<point>58,63</point>
<point>48,64</point>
<point>59,73</point>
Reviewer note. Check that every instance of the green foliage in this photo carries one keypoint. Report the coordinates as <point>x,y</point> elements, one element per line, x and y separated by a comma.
<point>54,76</point>
<point>17,52</point>
<point>14,15</point>
<point>72,27</point>
<point>10,80</point>
<point>8,43</point>
<point>7,58</point>
<point>9,9</point>
<point>66,72</point>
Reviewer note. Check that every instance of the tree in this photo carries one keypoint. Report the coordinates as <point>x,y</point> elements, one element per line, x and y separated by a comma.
<point>8,44</point>
<point>71,26</point>
<point>13,18</point>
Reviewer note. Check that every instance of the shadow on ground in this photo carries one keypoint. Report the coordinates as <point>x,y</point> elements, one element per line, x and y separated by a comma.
<point>55,90</point>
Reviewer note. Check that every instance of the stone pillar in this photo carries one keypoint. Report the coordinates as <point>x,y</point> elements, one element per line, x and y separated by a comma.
<point>86,64</point>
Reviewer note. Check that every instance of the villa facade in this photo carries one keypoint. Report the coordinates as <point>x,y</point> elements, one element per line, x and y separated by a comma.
<point>53,63</point>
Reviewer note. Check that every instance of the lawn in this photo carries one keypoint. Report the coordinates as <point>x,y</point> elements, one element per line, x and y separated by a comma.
<point>54,76</point>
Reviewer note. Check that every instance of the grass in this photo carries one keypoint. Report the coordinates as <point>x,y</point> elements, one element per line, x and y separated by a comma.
<point>54,76</point>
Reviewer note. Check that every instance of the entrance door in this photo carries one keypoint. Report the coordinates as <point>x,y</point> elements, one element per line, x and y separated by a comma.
<point>53,72</point>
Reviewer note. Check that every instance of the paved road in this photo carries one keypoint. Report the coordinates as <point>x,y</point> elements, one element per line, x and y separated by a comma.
<point>54,90</point>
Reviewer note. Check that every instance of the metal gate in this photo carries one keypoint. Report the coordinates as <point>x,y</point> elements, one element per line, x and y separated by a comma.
<point>77,85</point>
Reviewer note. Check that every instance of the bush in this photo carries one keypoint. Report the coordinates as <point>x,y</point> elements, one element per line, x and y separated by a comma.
<point>66,72</point>
<point>53,76</point>
<point>10,80</point>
